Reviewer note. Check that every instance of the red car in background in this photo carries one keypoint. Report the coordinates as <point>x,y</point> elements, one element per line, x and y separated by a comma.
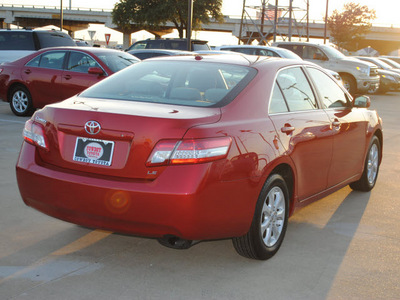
<point>200,147</point>
<point>54,74</point>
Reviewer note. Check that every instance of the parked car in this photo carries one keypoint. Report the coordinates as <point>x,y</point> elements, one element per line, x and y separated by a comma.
<point>389,76</point>
<point>173,44</point>
<point>269,51</point>
<point>260,50</point>
<point>390,62</point>
<point>394,58</point>
<point>17,43</point>
<point>380,64</point>
<point>358,76</point>
<point>149,53</point>
<point>202,147</point>
<point>54,74</point>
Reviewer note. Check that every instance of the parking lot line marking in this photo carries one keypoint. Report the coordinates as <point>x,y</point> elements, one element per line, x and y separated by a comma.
<point>81,243</point>
<point>12,121</point>
<point>85,241</point>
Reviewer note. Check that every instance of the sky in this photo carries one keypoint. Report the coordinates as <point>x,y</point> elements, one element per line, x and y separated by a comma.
<point>387,13</point>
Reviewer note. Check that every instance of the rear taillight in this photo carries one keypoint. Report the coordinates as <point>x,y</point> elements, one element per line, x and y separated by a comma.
<point>191,151</point>
<point>34,134</point>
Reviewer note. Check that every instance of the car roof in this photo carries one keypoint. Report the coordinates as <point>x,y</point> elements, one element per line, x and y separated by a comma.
<point>164,51</point>
<point>235,59</point>
<point>84,49</point>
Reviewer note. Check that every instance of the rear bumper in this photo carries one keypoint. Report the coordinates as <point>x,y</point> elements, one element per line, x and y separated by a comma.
<point>187,202</point>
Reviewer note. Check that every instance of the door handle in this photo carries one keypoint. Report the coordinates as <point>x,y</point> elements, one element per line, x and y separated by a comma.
<point>27,71</point>
<point>287,128</point>
<point>68,77</point>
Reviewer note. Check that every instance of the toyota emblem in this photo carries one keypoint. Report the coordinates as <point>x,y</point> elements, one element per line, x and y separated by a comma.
<point>92,127</point>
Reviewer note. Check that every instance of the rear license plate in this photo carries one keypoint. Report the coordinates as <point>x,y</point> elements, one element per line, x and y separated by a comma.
<point>93,151</point>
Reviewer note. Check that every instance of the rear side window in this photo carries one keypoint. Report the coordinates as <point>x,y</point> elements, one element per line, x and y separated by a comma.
<point>175,82</point>
<point>53,39</point>
<point>16,40</point>
<point>296,89</point>
<point>198,47</point>
<point>49,60</point>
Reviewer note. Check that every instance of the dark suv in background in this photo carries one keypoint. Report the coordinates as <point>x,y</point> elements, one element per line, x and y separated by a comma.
<point>17,43</point>
<point>174,44</point>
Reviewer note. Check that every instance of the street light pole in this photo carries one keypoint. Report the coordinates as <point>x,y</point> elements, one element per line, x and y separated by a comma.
<point>189,25</point>
<point>326,20</point>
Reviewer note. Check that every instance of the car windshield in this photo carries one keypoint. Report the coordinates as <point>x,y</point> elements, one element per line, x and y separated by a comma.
<point>175,82</point>
<point>332,52</point>
<point>117,61</point>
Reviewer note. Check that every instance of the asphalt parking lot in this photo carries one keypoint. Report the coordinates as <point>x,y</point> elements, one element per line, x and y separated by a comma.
<point>345,246</point>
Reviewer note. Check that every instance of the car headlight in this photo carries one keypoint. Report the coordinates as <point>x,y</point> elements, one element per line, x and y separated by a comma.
<point>388,77</point>
<point>364,70</point>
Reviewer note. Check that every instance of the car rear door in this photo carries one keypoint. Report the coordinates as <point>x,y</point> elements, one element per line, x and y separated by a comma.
<point>42,76</point>
<point>349,128</point>
<point>303,129</point>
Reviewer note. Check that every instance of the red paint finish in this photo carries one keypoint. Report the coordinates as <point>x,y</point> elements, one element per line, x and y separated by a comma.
<point>195,199</point>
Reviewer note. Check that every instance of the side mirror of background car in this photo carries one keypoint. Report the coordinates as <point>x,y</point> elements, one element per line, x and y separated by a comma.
<point>362,102</point>
<point>95,71</point>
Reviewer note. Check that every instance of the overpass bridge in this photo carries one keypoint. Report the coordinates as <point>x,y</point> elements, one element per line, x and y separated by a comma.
<point>383,39</point>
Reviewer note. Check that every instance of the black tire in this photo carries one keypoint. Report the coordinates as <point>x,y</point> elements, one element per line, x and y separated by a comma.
<point>349,83</point>
<point>371,168</point>
<point>262,242</point>
<point>21,101</point>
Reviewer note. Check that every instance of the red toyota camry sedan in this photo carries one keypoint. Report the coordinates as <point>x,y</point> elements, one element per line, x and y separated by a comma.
<point>53,74</point>
<point>200,147</point>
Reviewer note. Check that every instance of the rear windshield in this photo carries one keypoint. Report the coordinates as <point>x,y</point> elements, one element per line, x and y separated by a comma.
<point>54,39</point>
<point>118,60</point>
<point>175,82</point>
<point>16,40</point>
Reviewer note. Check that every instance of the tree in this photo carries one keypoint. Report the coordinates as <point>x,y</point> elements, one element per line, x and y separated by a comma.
<point>152,14</point>
<point>350,26</point>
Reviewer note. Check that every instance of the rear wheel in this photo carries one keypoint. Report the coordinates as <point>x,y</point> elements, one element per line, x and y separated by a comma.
<point>269,222</point>
<point>21,101</point>
<point>371,168</point>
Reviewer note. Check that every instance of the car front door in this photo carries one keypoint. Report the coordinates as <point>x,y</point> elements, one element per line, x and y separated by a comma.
<point>303,129</point>
<point>42,76</point>
<point>349,127</point>
<point>76,77</point>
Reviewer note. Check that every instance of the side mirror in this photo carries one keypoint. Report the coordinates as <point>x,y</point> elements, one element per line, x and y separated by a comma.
<point>95,71</point>
<point>362,102</point>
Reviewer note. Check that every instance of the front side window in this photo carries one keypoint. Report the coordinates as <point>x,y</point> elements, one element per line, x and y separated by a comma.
<point>175,82</point>
<point>296,89</point>
<point>332,95</point>
<point>80,62</point>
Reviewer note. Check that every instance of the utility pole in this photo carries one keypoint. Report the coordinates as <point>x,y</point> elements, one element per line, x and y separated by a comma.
<point>308,20</point>
<point>262,22</point>
<point>290,19</point>
<point>326,20</point>
<point>241,22</point>
<point>276,19</point>
<point>61,15</point>
<point>189,25</point>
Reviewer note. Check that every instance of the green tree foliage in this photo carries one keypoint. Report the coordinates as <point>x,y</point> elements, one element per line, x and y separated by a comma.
<point>350,26</point>
<point>152,14</point>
